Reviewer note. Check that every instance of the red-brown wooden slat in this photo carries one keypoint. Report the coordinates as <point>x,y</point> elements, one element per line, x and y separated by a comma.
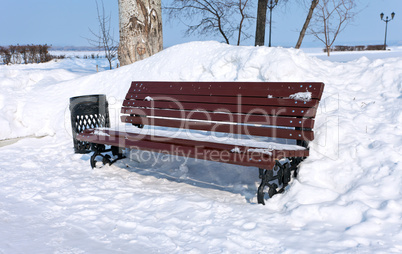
<point>88,135</point>
<point>235,100</point>
<point>222,127</point>
<point>194,152</point>
<point>246,159</point>
<point>190,142</point>
<point>276,89</point>
<point>247,109</point>
<point>234,118</point>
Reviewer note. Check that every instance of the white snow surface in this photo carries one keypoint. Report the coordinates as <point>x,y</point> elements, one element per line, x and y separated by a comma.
<point>347,197</point>
<point>259,150</point>
<point>302,96</point>
<point>266,144</point>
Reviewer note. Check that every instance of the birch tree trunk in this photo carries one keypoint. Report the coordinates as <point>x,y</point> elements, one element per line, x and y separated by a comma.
<point>140,28</point>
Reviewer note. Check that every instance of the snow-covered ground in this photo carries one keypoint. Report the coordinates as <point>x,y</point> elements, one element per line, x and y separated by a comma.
<point>347,197</point>
<point>77,54</point>
<point>344,56</point>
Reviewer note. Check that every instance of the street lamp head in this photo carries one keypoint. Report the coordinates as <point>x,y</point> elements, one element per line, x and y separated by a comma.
<point>382,16</point>
<point>392,15</point>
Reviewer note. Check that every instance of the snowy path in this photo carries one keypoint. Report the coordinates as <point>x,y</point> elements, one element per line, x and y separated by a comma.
<point>54,202</point>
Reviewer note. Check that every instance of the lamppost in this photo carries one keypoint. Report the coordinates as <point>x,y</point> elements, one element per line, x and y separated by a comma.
<point>271,5</point>
<point>386,20</point>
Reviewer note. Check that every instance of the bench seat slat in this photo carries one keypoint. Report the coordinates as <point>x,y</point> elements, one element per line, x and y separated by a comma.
<point>222,127</point>
<point>189,142</point>
<point>193,149</point>
<point>246,109</point>
<point>234,118</point>
<point>275,89</point>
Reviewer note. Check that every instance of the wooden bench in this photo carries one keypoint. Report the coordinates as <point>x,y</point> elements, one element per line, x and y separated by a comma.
<point>260,124</point>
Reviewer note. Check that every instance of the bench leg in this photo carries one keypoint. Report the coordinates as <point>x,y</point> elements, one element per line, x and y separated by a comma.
<point>98,149</point>
<point>280,175</point>
<point>266,177</point>
<point>294,164</point>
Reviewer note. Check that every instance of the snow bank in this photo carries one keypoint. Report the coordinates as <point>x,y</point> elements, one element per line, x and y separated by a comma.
<point>347,197</point>
<point>31,113</point>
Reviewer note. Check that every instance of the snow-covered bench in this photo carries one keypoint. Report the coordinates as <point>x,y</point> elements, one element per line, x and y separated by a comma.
<point>260,124</point>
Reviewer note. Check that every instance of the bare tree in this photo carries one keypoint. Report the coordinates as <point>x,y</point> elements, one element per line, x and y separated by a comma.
<point>44,55</point>
<point>15,56</point>
<point>242,5</point>
<point>306,23</point>
<point>104,39</point>
<point>5,55</point>
<point>23,50</point>
<point>33,54</point>
<point>330,19</point>
<point>140,24</point>
<point>224,17</point>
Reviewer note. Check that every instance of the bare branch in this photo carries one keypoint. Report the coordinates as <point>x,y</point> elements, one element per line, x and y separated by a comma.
<point>104,40</point>
<point>333,15</point>
<point>213,16</point>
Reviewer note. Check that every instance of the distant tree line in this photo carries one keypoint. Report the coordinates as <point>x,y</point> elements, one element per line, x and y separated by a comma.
<point>18,54</point>
<point>92,56</point>
<point>355,48</point>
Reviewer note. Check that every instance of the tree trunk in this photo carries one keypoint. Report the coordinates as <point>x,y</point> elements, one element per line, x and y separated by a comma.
<point>306,23</point>
<point>261,21</point>
<point>140,27</point>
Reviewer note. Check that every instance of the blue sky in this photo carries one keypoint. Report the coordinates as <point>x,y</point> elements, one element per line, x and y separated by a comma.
<point>67,22</point>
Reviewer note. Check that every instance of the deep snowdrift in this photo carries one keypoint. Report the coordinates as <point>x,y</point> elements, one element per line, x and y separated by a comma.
<point>347,197</point>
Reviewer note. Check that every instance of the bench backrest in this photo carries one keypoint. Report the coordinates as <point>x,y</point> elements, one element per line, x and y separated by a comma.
<point>269,109</point>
